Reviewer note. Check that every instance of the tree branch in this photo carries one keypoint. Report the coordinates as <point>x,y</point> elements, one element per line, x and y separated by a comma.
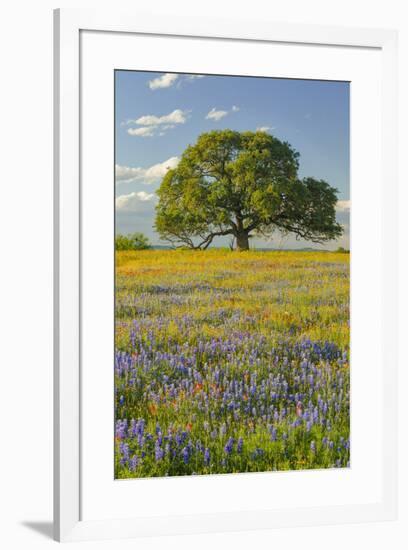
<point>208,240</point>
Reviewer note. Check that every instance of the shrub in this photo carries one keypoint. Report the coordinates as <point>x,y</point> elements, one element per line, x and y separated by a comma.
<point>134,241</point>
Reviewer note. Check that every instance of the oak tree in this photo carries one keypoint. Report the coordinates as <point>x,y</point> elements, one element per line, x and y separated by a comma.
<point>240,184</point>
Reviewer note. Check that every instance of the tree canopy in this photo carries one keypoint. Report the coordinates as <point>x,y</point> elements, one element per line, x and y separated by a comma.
<point>134,241</point>
<point>239,184</point>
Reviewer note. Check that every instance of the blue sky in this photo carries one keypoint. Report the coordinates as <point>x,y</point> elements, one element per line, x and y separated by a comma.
<point>158,114</point>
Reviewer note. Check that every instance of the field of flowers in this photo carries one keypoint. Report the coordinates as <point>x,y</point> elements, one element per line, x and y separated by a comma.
<point>231,362</point>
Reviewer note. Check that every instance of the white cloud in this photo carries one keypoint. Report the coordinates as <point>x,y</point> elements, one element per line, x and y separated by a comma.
<point>153,174</point>
<point>216,115</point>
<point>188,79</point>
<point>264,128</point>
<point>158,171</point>
<point>143,131</point>
<point>152,125</point>
<point>175,117</point>
<point>124,174</point>
<point>343,206</point>
<point>167,80</point>
<point>135,202</point>
<point>164,81</point>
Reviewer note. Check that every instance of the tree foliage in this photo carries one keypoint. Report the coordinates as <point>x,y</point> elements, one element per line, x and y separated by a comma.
<point>134,241</point>
<point>238,184</point>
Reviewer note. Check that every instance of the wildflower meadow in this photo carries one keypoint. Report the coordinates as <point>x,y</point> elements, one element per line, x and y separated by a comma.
<point>230,362</point>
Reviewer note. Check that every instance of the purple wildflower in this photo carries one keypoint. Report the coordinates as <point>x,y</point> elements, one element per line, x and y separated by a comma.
<point>229,446</point>
<point>185,455</point>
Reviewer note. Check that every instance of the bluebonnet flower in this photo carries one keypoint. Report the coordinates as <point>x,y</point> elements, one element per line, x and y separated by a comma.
<point>229,446</point>
<point>132,429</point>
<point>140,426</point>
<point>273,432</point>
<point>158,452</point>
<point>164,371</point>
<point>124,450</point>
<point>257,453</point>
<point>133,463</point>
<point>124,453</point>
<point>185,455</point>
<point>121,429</point>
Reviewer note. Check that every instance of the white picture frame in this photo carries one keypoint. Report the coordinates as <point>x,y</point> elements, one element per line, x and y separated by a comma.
<point>68,475</point>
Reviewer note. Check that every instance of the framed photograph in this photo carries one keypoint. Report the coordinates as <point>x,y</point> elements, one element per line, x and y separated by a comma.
<point>225,275</point>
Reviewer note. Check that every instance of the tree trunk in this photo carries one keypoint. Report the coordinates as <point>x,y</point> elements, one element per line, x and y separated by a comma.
<point>242,241</point>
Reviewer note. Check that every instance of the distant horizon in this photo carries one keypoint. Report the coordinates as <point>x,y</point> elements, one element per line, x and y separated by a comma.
<point>157,115</point>
<point>260,249</point>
